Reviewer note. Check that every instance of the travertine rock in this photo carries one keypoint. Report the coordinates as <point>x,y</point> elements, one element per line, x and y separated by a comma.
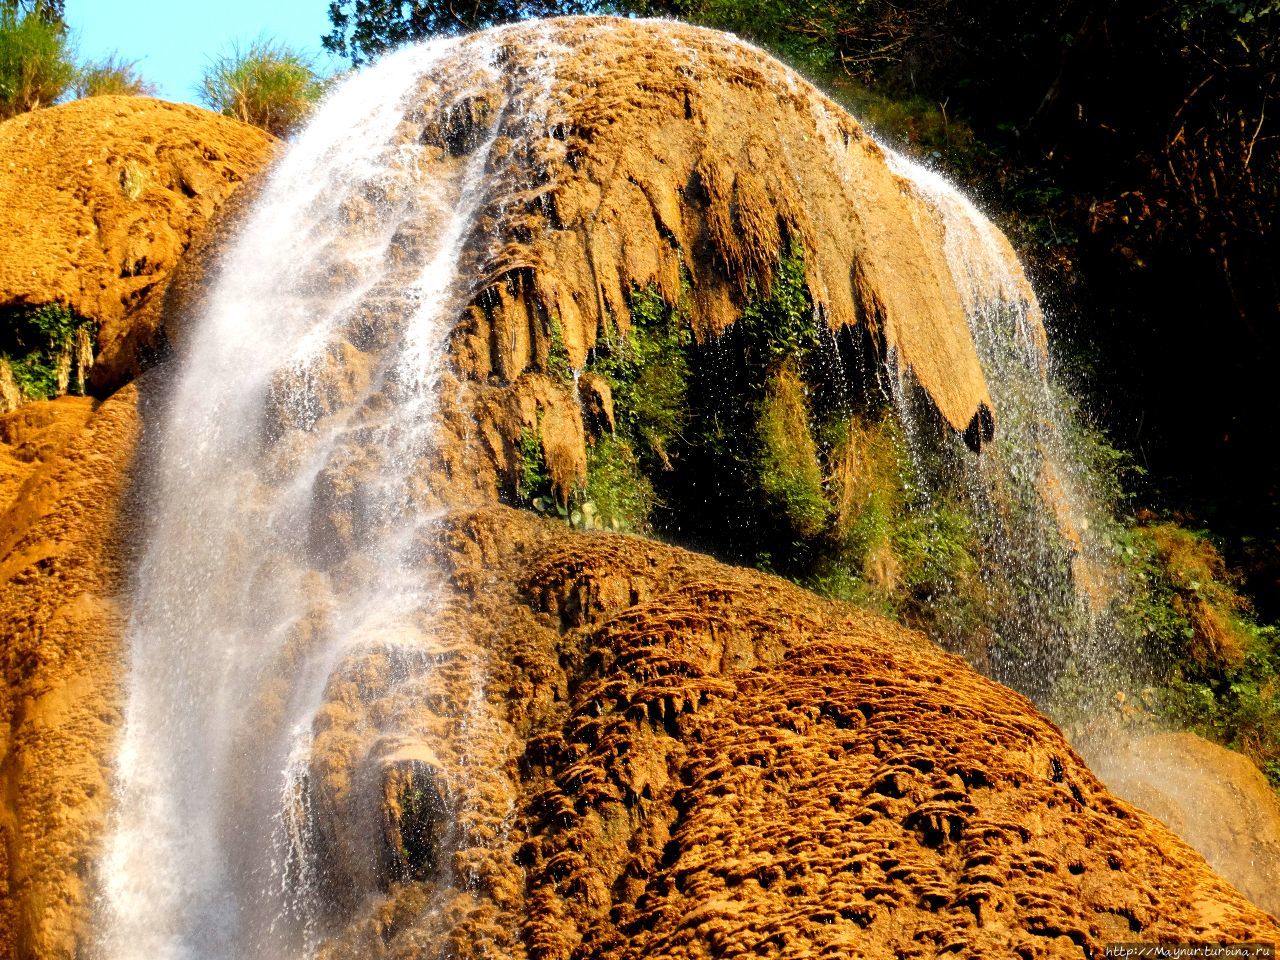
<point>603,746</point>
<point>65,469</point>
<point>669,757</point>
<point>100,197</point>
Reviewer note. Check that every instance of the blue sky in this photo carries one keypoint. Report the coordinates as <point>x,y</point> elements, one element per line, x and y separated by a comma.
<point>172,40</point>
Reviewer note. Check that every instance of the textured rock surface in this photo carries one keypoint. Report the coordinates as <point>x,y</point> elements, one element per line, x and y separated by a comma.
<point>100,197</point>
<point>683,149</point>
<point>604,746</point>
<point>673,758</point>
<point>619,749</point>
<point>680,159</point>
<point>64,472</point>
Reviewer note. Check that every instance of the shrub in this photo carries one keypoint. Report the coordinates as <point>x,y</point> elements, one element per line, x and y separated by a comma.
<point>40,344</point>
<point>620,496</point>
<point>112,76</point>
<point>269,85</point>
<point>36,65</point>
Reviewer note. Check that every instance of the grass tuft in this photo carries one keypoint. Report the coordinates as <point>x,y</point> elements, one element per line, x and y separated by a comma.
<point>36,61</point>
<point>111,76</point>
<point>267,84</point>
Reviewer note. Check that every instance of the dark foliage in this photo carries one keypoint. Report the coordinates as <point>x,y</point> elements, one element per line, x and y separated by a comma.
<point>362,29</point>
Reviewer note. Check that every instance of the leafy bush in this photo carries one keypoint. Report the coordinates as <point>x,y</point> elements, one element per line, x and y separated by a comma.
<point>111,76</point>
<point>619,494</point>
<point>1239,706</point>
<point>269,85</point>
<point>36,65</point>
<point>40,344</point>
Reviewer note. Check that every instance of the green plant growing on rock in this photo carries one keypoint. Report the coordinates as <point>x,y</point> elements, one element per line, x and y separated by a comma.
<point>780,325</point>
<point>620,495</point>
<point>558,365</point>
<point>111,76</point>
<point>36,60</point>
<point>267,84</point>
<point>648,371</point>
<point>533,478</point>
<point>892,548</point>
<point>790,472</point>
<point>41,347</point>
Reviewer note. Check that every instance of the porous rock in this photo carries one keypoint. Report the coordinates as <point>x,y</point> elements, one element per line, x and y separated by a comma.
<point>100,198</point>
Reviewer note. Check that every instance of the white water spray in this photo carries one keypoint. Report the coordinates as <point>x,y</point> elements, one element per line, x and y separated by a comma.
<point>273,553</point>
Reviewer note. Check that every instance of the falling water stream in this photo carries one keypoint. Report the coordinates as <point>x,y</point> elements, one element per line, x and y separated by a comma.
<point>289,518</point>
<point>245,601</point>
<point>1029,491</point>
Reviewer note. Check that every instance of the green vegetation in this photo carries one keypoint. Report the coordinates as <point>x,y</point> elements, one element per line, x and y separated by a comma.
<point>648,371</point>
<point>40,345</point>
<point>1217,669</point>
<point>533,479</point>
<point>111,76</point>
<point>558,365</point>
<point>617,491</point>
<point>267,84</point>
<point>36,60</point>
<point>419,823</point>
<point>789,469</point>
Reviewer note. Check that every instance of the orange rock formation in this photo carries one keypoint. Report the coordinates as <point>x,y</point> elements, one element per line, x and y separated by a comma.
<point>100,198</point>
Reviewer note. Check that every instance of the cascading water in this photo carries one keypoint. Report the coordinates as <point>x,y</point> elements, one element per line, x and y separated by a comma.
<point>1049,573</point>
<point>286,591</point>
<point>278,546</point>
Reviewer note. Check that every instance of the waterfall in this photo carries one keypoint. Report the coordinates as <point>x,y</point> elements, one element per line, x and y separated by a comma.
<point>286,521</point>
<point>287,583</point>
<point>1048,567</point>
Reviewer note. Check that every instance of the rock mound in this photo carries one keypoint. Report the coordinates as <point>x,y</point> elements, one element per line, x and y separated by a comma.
<point>1212,797</point>
<point>674,758</point>
<point>101,197</point>
<point>614,161</point>
<point>682,155</point>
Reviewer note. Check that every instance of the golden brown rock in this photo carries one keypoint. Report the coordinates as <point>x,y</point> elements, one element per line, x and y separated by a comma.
<point>621,749</point>
<point>668,757</point>
<point>100,197</point>
<point>66,469</point>
<point>603,746</point>
<point>682,156</point>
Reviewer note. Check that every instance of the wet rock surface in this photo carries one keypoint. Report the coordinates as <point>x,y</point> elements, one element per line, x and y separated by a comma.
<point>690,760</point>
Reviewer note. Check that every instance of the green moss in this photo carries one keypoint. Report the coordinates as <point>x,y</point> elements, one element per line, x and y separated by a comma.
<point>782,324</point>
<point>533,479</point>
<point>37,341</point>
<point>1238,706</point>
<point>648,372</point>
<point>618,496</point>
<point>558,365</point>
<point>894,549</point>
<point>790,473</point>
